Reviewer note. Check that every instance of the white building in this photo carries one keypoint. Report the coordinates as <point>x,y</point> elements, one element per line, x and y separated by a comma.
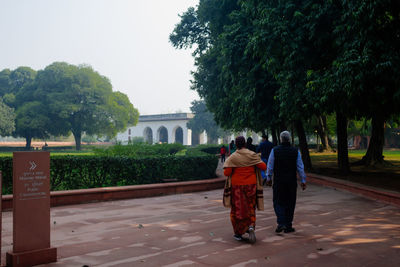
<point>165,128</point>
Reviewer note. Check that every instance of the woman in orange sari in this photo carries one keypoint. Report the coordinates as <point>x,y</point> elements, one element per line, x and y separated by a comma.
<point>242,167</point>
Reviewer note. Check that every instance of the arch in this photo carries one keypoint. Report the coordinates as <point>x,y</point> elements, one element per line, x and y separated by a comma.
<point>162,135</point>
<point>148,135</point>
<point>178,135</point>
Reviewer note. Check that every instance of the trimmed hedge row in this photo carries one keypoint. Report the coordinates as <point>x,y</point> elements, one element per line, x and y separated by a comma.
<point>79,172</point>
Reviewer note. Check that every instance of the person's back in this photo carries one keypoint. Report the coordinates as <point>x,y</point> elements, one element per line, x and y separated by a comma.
<point>265,148</point>
<point>285,163</point>
<point>249,144</point>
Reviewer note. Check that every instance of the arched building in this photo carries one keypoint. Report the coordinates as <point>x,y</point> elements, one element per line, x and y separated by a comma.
<point>164,128</point>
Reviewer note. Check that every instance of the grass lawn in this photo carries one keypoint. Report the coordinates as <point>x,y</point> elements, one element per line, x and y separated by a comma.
<point>386,177</point>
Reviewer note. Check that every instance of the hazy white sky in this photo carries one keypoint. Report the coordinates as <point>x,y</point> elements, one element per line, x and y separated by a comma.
<point>124,40</point>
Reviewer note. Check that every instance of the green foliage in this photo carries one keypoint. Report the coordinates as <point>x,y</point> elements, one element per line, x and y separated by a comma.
<point>7,117</point>
<point>209,149</point>
<point>139,150</point>
<point>78,172</point>
<point>32,120</point>
<point>203,120</point>
<point>63,98</point>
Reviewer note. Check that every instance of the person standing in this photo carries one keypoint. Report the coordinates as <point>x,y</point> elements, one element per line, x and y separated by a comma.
<point>264,148</point>
<point>242,167</point>
<point>283,163</point>
<point>250,146</point>
<point>222,153</point>
<point>232,147</point>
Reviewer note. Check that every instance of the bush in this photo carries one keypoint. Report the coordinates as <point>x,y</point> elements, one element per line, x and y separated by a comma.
<point>209,149</point>
<point>78,172</point>
<point>139,150</point>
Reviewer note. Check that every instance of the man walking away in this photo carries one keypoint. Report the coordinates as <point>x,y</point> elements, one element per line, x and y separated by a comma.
<point>284,160</point>
<point>250,146</point>
<point>264,148</point>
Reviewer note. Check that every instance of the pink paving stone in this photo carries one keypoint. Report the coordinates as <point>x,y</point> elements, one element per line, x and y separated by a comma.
<point>333,228</point>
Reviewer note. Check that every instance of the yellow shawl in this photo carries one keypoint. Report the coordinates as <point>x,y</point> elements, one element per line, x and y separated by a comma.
<point>242,158</point>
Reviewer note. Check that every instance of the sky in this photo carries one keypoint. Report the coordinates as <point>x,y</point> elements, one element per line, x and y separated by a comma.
<point>124,40</point>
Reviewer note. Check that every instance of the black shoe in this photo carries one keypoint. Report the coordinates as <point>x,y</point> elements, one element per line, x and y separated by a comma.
<point>289,230</point>
<point>280,228</point>
<point>238,237</point>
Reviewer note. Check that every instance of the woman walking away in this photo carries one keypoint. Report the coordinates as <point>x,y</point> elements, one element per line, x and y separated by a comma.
<point>243,168</point>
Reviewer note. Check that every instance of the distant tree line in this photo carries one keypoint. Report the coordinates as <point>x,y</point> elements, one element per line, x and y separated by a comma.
<point>59,100</point>
<point>274,65</point>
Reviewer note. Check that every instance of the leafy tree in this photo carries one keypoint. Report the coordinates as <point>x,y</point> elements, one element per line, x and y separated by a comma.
<point>81,100</point>
<point>32,121</point>
<point>229,80</point>
<point>370,63</point>
<point>203,120</point>
<point>7,119</point>
<point>4,81</point>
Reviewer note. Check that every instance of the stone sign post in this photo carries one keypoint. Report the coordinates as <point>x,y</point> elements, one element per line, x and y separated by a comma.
<point>31,210</point>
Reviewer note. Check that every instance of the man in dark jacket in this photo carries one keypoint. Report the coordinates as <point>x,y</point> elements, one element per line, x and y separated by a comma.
<point>284,161</point>
<point>264,148</point>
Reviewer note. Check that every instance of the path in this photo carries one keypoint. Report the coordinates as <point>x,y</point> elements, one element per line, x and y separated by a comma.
<point>333,229</point>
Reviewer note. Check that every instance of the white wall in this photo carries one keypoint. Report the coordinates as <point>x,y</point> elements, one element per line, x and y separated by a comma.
<point>171,126</point>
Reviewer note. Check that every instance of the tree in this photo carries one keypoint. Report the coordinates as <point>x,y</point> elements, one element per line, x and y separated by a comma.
<point>7,119</point>
<point>371,59</point>
<point>4,81</point>
<point>81,100</point>
<point>203,120</point>
<point>32,122</point>
<point>236,87</point>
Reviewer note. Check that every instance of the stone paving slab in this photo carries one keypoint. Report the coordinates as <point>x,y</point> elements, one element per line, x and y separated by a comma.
<point>333,228</point>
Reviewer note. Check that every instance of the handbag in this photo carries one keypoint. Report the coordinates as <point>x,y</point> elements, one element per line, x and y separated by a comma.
<point>259,190</point>
<point>227,193</point>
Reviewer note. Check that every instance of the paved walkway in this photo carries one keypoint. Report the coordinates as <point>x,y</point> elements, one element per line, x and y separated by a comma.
<point>333,229</point>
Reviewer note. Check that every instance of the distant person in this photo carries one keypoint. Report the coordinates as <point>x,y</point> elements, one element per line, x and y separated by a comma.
<point>264,148</point>
<point>284,160</point>
<point>222,153</point>
<point>241,167</point>
<point>249,144</point>
<point>232,147</point>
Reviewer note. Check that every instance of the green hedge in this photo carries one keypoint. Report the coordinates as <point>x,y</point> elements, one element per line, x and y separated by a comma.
<point>139,150</point>
<point>78,172</point>
<point>209,149</point>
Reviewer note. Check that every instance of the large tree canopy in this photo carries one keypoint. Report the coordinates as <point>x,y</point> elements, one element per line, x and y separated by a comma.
<point>81,100</point>
<point>268,64</point>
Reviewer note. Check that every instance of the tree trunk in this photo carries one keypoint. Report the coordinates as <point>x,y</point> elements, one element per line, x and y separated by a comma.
<point>323,132</point>
<point>28,142</point>
<point>305,154</point>
<point>343,153</point>
<point>292,129</point>
<point>374,153</point>
<point>274,137</point>
<point>77,136</point>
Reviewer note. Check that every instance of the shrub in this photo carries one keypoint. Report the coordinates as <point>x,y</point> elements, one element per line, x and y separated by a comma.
<point>209,149</point>
<point>82,171</point>
<point>139,150</point>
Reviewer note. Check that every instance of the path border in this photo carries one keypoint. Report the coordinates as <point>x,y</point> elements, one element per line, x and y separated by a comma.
<point>390,197</point>
<point>81,196</point>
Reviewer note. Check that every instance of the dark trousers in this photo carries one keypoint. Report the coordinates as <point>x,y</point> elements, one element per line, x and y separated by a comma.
<point>222,157</point>
<point>284,200</point>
